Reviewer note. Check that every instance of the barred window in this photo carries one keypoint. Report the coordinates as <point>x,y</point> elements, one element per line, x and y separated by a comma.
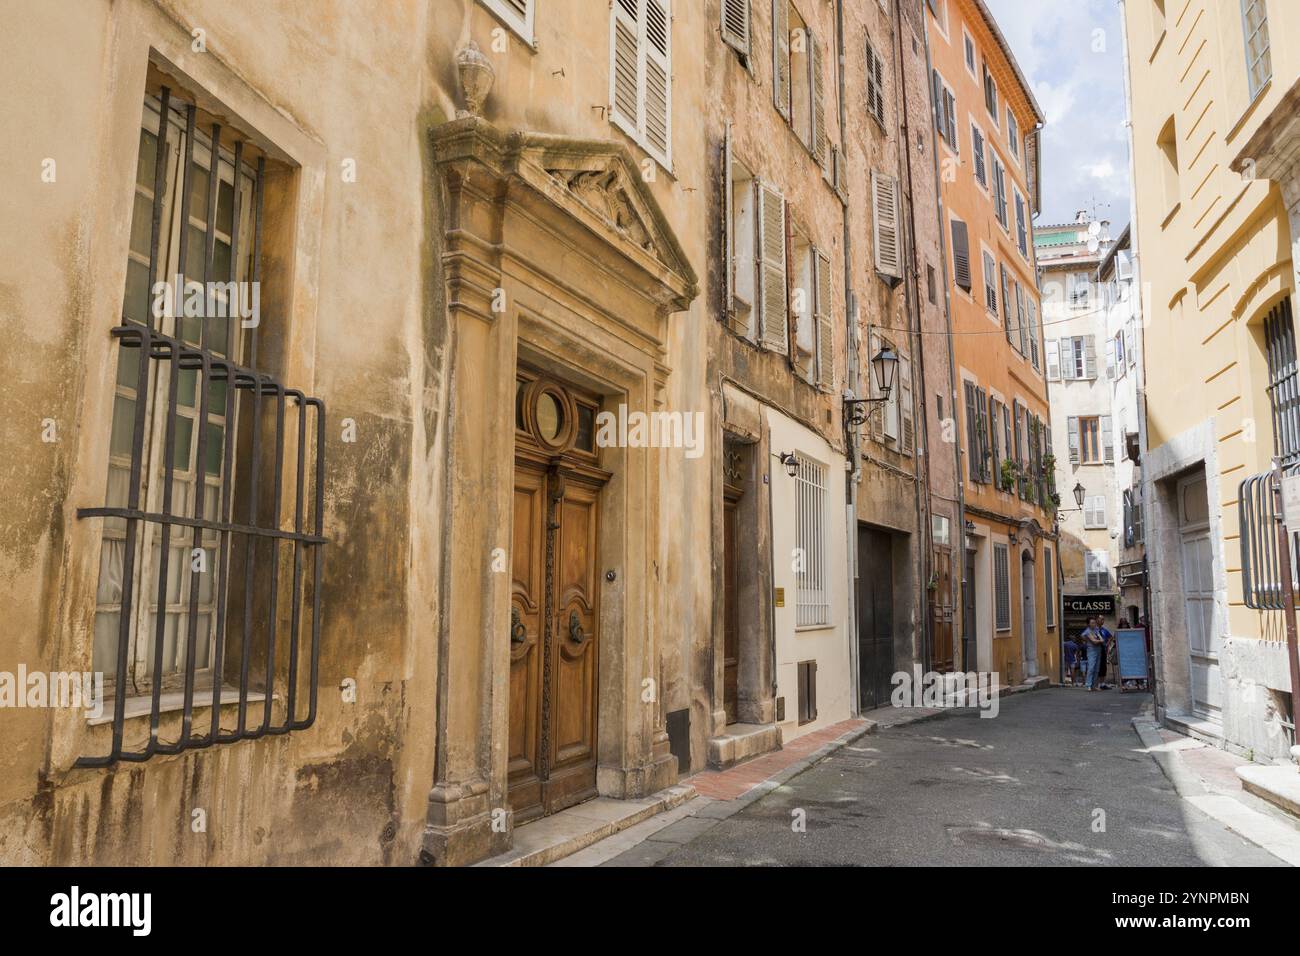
<point>199,508</point>
<point>1002,587</point>
<point>1283,394</point>
<point>812,592</point>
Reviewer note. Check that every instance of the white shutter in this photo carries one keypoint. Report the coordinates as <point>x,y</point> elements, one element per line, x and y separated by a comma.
<point>735,24</point>
<point>876,416</point>
<point>625,66</point>
<point>728,229</point>
<point>781,57</point>
<point>1089,358</point>
<point>905,405</point>
<point>1129,342</point>
<point>1053,360</point>
<point>1110,358</point>
<point>1108,440</point>
<point>657,50</point>
<point>772,271</point>
<point>516,14</point>
<point>1069,359</point>
<point>825,327</point>
<point>884,199</point>
<point>1072,424</point>
<point>817,83</point>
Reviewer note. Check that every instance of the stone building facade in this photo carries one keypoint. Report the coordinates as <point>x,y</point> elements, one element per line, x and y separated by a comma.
<point>524,482</point>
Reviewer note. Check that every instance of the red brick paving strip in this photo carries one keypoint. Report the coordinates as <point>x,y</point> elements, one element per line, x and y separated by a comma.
<point>735,781</point>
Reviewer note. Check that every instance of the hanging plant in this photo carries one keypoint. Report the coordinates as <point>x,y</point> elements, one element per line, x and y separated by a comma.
<point>1010,472</point>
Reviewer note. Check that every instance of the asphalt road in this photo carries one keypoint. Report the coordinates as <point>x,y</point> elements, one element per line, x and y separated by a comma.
<point>1056,779</point>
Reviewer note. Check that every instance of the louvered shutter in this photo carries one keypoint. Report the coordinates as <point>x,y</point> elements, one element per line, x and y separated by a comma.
<point>977,148</point>
<point>658,79</point>
<point>908,425</point>
<point>772,284</point>
<point>735,24</point>
<point>1007,306</point>
<point>625,66</point>
<point>1089,358</point>
<point>1069,359</point>
<point>961,254</point>
<point>884,197</point>
<point>1034,329</point>
<point>877,414</point>
<point>982,432</point>
<point>728,230</point>
<point>1110,359</point>
<point>517,13</point>
<point>781,57</point>
<point>817,83</point>
<point>1108,440</point>
<point>995,452</point>
<point>1072,424</point>
<point>1053,360</point>
<point>1020,318</point>
<point>972,434</point>
<point>936,91</point>
<point>825,328</point>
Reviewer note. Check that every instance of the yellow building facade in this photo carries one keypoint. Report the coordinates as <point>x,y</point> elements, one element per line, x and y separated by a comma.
<point>1213,101</point>
<point>988,122</point>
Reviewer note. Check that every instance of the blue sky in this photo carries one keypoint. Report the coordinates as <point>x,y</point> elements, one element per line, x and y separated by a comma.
<point>1073,55</point>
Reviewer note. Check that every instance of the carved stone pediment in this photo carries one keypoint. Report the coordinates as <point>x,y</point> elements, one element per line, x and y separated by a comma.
<point>593,183</point>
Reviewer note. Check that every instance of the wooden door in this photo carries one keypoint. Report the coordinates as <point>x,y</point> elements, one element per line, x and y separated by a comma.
<point>941,652</point>
<point>553,670</point>
<point>731,608</point>
<point>875,618</point>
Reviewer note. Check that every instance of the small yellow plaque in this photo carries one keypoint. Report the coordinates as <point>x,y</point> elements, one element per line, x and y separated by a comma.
<point>779,596</point>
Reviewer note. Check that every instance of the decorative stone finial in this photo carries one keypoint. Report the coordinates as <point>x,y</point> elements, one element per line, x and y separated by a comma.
<point>476,78</point>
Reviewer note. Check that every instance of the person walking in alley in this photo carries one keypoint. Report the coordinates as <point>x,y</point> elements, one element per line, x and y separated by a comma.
<point>1095,646</point>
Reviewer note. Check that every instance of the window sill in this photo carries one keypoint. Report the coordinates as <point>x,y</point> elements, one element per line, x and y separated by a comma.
<point>172,702</point>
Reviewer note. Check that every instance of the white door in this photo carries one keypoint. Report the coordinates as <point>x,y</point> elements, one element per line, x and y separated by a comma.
<point>1203,641</point>
<point>1028,621</point>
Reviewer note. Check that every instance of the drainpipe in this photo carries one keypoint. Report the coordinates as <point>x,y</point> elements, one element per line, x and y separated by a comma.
<point>912,296</point>
<point>852,466</point>
<point>968,656</point>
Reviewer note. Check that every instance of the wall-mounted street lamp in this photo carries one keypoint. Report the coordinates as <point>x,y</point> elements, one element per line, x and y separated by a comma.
<point>885,367</point>
<point>1079,492</point>
<point>791,462</point>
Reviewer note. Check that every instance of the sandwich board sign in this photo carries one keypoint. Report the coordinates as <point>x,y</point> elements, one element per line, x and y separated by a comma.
<point>1131,648</point>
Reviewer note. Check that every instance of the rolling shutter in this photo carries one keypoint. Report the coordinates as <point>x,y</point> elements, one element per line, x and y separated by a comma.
<point>825,328</point>
<point>771,273</point>
<point>781,57</point>
<point>884,199</point>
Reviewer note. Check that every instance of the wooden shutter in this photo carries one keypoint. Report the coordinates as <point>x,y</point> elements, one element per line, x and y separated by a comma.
<point>977,147</point>
<point>1072,424</point>
<point>657,50</point>
<point>625,66</point>
<point>735,24</point>
<point>781,57</point>
<point>1035,330</point>
<point>961,254</point>
<point>825,328</point>
<point>771,273</point>
<point>1110,358</point>
<point>817,83</point>
<point>1006,300</point>
<point>907,425</point>
<point>884,198</point>
<point>1020,317</point>
<point>972,434</point>
<point>875,84</point>
<point>995,416</point>
<point>982,432</point>
<point>1053,360</point>
<point>1089,358</point>
<point>1108,440</point>
<point>728,231</point>
<point>877,413</point>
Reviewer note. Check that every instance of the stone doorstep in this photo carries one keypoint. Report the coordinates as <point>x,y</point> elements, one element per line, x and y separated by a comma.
<point>740,742</point>
<point>1279,785</point>
<point>552,838</point>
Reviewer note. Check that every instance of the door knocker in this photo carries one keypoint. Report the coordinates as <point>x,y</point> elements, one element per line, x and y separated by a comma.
<point>518,633</point>
<point>576,633</point>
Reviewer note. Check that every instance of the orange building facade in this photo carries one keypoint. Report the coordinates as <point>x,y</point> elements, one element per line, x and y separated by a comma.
<point>987,127</point>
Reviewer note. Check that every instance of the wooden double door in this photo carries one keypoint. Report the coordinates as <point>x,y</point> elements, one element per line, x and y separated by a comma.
<point>554,636</point>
